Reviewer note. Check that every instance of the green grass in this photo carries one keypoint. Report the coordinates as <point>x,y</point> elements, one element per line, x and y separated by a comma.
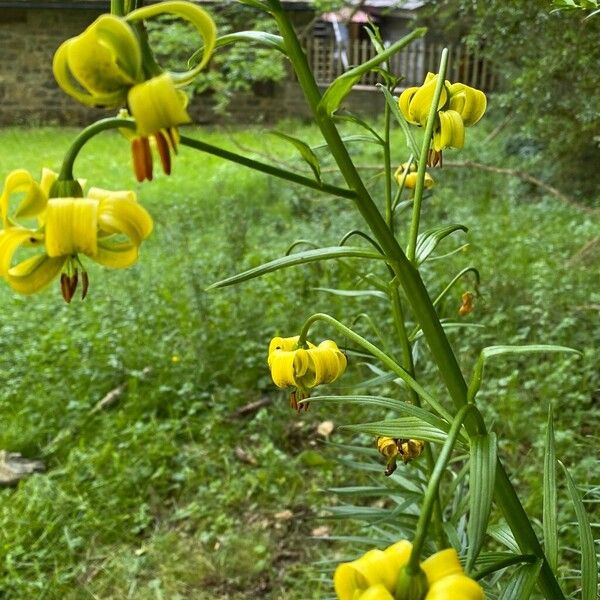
<point>149,498</point>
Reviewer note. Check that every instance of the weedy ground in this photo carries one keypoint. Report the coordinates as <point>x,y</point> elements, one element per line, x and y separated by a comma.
<point>168,493</point>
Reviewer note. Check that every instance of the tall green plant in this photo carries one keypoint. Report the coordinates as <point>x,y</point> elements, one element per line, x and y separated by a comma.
<point>112,63</point>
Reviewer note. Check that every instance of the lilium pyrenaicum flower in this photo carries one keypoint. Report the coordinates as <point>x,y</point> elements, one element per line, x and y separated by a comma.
<point>304,368</point>
<point>98,67</point>
<point>375,574</point>
<point>459,106</point>
<point>410,178</point>
<point>106,226</point>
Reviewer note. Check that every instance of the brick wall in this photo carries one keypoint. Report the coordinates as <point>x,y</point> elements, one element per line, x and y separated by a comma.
<point>29,95</point>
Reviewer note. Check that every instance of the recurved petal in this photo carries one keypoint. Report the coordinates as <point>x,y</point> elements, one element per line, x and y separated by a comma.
<point>106,57</point>
<point>349,583</point>
<point>281,364</point>
<point>71,226</point>
<point>11,240</point>
<point>33,202</point>
<point>67,82</point>
<point>287,344</point>
<point>35,273</point>
<point>116,255</point>
<point>451,131</point>
<point>455,587</point>
<point>376,592</point>
<point>329,362</point>
<point>124,215</point>
<point>404,102</point>
<point>157,104</point>
<point>469,102</point>
<point>442,564</point>
<point>421,102</point>
<point>398,554</point>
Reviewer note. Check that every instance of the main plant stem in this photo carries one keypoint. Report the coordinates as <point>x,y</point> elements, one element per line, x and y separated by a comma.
<point>419,299</point>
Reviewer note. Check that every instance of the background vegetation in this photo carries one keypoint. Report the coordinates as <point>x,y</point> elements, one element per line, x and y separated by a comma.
<point>169,494</point>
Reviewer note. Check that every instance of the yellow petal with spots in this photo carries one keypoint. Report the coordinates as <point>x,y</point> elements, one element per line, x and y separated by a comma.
<point>420,103</point>
<point>286,344</point>
<point>11,240</point>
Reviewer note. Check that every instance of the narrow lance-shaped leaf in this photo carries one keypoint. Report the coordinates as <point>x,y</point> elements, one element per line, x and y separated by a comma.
<point>550,509</point>
<point>300,258</point>
<point>481,491</point>
<point>404,427</point>
<point>342,85</point>
<point>522,583</point>
<point>589,567</point>
<point>353,293</point>
<point>428,241</point>
<point>305,151</point>
<point>492,351</point>
<point>395,110</point>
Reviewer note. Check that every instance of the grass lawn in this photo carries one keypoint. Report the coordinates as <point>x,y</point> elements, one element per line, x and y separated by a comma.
<point>167,493</point>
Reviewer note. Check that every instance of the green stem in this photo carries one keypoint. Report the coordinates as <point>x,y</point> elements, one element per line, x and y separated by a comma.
<point>117,8</point>
<point>266,168</point>
<point>422,166</point>
<point>66,171</point>
<point>433,487</point>
<point>408,364</point>
<point>387,165</point>
<point>377,353</point>
<point>419,299</point>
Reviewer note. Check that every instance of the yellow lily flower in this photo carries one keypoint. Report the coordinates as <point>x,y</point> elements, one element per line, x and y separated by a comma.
<point>157,107</point>
<point>304,368</point>
<point>374,575</point>
<point>410,180</point>
<point>460,106</point>
<point>98,66</point>
<point>106,226</point>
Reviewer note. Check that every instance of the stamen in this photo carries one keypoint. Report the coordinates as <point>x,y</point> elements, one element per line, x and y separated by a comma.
<point>65,287</point>
<point>85,284</point>
<point>163,151</point>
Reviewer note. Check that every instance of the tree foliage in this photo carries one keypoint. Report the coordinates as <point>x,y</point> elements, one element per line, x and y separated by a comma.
<point>547,62</point>
<point>235,68</point>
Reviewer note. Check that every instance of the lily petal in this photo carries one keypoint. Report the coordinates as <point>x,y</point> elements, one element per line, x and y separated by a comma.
<point>376,592</point>
<point>116,255</point>
<point>11,240</point>
<point>454,587</point>
<point>451,132</point>
<point>442,564</point>
<point>469,102</point>
<point>35,273</point>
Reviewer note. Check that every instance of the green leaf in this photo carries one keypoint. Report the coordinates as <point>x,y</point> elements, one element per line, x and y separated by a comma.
<point>257,4</point>
<point>353,293</point>
<point>589,568</point>
<point>481,491</point>
<point>428,241</point>
<point>269,40</point>
<point>550,508</point>
<point>403,427</point>
<point>300,258</point>
<point>522,583</point>
<point>501,533</point>
<point>392,404</point>
<point>492,351</point>
<point>350,118</point>
<point>491,562</point>
<point>350,139</point>
<point>395,110</point>
<point>455,280</point>
<point>305,151</point>
<point>341,86</point>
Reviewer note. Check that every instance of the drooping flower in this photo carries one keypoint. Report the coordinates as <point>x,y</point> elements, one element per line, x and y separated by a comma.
<point>375,575</point>
<point>157,107</point>
<point>106,226</point>
<point>410,178</point>
<point>467,304</point>
<point>304,368</point>
<point>394,448</point>
<point>98,67</point>
<point>459,106</point>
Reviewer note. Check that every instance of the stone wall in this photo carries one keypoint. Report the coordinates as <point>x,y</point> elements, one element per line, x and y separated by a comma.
<point>29,95</point>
